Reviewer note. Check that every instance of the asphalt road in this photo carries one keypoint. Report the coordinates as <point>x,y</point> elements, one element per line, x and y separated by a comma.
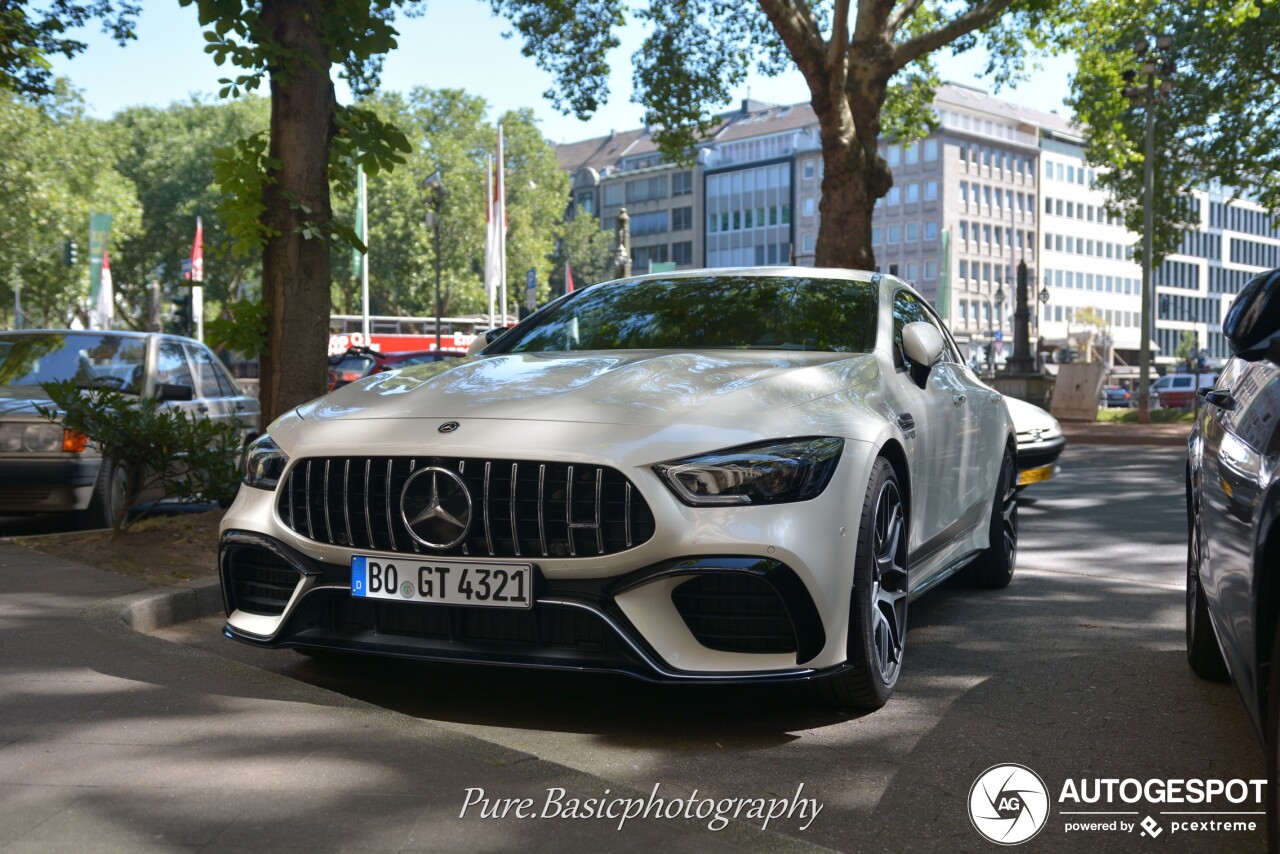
<point>1077,670</point>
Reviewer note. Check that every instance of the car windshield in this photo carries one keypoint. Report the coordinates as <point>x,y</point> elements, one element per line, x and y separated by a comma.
<point>707,312</point>
<point>91,359</point>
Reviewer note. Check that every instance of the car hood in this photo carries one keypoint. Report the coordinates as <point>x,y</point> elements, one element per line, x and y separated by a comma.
<point>615,387</point>
<point>1028,418</point>
<point>22,400</point>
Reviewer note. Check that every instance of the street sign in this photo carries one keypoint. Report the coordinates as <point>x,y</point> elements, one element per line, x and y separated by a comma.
<point>998,337</point>
<point>531,289</point>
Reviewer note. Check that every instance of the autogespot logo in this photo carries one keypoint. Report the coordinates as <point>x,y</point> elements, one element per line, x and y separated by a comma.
<point>1008,804</point>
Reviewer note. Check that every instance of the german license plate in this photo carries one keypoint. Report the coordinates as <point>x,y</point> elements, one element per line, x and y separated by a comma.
<point>1034,475</point>
<point>442,582</point>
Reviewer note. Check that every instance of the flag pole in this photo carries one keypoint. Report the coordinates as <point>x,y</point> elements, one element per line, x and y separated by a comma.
<point>491,212</point>
<point>502,226</point>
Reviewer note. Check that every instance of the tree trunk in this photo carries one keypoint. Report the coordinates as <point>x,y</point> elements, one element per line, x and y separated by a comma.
<point>854,173</point>
<point>295,269</point>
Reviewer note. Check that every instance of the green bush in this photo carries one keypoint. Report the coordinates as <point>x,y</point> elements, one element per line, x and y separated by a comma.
<point>162,450</point>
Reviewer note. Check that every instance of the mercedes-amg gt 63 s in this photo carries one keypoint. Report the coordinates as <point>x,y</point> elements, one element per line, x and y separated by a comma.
<point>705,476</point>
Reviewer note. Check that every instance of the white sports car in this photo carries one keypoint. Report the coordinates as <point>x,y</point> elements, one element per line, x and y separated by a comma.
<point>706,476</point>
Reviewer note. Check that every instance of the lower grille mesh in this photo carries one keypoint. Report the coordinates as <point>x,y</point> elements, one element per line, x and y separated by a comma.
<point>261,582</point>
<point>735,612</point>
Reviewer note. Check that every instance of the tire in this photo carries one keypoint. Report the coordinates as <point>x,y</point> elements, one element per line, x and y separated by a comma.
<point>1272,747</point>
<point>1203,652</point>
<point>992,569</point>
<point>109,493</point>
<point>878,601</point>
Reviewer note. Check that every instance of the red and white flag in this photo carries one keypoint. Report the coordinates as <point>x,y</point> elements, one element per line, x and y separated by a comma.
<point>495,240</point>
<point>196,273</point>
<point>568,278</point>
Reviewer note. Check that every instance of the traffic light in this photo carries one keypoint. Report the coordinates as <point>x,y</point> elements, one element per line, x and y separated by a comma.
<point>182,313</point>
<point>70,253</point>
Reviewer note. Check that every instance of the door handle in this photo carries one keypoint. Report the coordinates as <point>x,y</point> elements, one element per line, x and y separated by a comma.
<point>958,399</point>
<point>1221,399</point>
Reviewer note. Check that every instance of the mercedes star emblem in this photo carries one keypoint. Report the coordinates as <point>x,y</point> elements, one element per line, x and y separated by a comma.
<point>448,427</point>
<point>436,507</point>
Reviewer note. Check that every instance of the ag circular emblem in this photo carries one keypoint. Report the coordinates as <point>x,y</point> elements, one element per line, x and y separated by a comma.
<point>436,507</point>
<point>1008,804</point>
<point>406,590</point>
<point>448,427</point>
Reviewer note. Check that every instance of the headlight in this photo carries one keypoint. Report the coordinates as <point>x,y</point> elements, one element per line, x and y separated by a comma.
<point>264,462</point>
<point>39,438</point>
<point>794,470</point>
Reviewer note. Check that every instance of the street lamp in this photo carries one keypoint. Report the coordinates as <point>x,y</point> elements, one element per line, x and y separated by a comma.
<point>998,297</point>
<point>435,187</point>
<point>1148,94</point>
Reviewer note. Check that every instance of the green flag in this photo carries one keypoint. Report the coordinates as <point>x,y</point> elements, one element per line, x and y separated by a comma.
<point>944,277</point>
<point>356,255</point>
<point>99,231</point>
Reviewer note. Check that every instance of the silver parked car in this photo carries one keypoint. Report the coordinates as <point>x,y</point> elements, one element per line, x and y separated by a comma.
<point>45,468</point>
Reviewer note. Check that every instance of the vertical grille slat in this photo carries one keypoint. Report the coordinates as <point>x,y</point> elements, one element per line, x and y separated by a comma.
<point>594,498</point>
<point>542,526</point>
<point>488,533</point>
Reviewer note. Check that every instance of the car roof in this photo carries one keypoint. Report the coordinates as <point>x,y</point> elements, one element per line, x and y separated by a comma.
<point>122,333</point>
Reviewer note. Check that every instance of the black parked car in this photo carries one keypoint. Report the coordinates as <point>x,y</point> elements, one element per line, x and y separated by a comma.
<point>1233,510</point>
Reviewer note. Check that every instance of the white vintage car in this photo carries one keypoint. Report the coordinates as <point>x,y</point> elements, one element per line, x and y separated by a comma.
<point>706,476</point>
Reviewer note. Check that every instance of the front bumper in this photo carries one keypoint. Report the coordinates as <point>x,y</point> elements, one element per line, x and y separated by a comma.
<point>48,485</point>
<point>574,624</point>
<point>630,612</point>
<point>1034,455</point>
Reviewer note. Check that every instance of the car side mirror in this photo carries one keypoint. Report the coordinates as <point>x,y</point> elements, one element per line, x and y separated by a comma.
<point>173,391</point>
<point>483,340</point>
<point>1252,325</point>
<point>922,343</point>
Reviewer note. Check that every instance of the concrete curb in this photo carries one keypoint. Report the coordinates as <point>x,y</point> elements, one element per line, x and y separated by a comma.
<point>156,609</point>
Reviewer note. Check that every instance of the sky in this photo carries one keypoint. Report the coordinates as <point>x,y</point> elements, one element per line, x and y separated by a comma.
<point>455,44</point>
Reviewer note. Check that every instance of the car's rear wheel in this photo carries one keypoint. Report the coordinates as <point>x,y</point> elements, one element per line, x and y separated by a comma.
<point>878,601</point>
<point>993,567</point>
<point>1203,652</point>
<point>110,492</point>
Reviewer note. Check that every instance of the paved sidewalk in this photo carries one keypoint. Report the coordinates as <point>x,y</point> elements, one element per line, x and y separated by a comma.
<point>115,741</point>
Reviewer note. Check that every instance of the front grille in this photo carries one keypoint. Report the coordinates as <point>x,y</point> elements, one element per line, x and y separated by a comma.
<point>735,612</point>
<point>548,626</point>
<point>261,581</point>
<point>519,508</point>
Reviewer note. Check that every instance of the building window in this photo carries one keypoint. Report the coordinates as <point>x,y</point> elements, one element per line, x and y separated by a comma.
<point>809,206</point>
<point>964,232</point>
<point>875,235</point>
<point>913,232</point>
<point>649,223</point>
<point>931,229</point>
<point>808,170</point>
<point>913,193</point>
<point>682,183</point>
<point>912,153</point>
<point>645,255</point>
<point>612,194</point>
<point>807,242</point>
<point>1048,169</point>
<point>930,191</point>
<point>647,189</point>
<point>930,270</point>
<point>895,196</point>
<point>930,150</point>
<point>681,219</point>
<point>893,155</point>
<point>964,271</point>
<point>894,234</point>
<point>682,253</point>
<point>964,193</point>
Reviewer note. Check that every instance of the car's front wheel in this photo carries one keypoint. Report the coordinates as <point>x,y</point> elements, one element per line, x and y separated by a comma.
<point>110,492</point>
<point>878,601</point>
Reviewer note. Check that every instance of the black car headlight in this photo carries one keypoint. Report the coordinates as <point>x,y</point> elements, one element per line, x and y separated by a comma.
<point>264,462</point>
<point>772,473</point>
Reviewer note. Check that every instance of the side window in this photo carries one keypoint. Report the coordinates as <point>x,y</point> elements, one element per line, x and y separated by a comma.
<point>907,308</point>
<point>172,367</point>
<point>212,381</point>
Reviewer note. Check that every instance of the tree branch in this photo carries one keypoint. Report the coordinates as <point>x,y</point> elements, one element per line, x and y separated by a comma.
<point>798,28</point>
<point>839,46</point>
<point>975,18</point>
<point>901,14</point>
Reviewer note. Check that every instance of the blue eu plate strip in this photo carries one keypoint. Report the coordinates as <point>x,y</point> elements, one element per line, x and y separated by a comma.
<point>359,577</point>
